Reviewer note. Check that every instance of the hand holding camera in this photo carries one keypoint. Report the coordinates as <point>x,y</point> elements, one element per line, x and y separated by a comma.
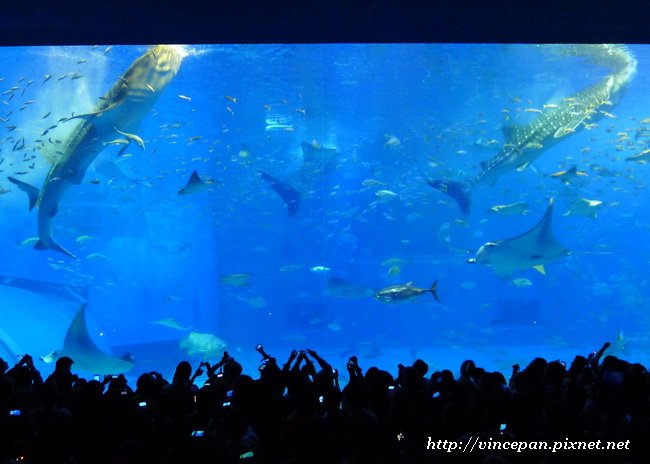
<point>260,349</point>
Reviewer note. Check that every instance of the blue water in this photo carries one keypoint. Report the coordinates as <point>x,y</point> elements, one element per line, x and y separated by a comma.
<point>398,114</point>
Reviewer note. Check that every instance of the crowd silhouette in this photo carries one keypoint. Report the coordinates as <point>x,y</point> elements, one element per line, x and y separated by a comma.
<point>298,413</point>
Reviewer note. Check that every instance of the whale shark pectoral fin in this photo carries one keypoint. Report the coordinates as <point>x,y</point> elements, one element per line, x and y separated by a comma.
<point>31,191</point>
<point>93,114</point>
<point>117,102</point>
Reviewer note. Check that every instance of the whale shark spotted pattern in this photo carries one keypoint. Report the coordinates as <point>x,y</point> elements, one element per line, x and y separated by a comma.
<point>120,111</point>
<point>525,143</point>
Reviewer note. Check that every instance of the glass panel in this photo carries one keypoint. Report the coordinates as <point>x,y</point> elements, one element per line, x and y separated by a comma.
<point>188,200</point>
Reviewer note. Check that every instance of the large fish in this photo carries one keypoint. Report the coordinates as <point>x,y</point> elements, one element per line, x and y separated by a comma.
<point>120,111</point>
<point>405,292</point>
<point>532,249</point>
<point>203,345</point>
<point>525,143</point>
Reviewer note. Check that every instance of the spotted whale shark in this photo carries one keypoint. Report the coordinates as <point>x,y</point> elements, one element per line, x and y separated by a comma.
<point>120,111</point>
<point>525,143</point>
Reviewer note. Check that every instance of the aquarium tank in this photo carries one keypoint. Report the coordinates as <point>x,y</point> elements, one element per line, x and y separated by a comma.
<point>385,201</point>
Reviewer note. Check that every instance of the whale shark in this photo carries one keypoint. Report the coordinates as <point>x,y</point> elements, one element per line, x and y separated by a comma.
<point>532,249</point>
<point>525,143</point>
<point>118,112</point>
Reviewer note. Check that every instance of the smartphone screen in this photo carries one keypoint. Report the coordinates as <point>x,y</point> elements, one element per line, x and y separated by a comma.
<point>502,427</point>
<point>197,433</point>
<point>14,412</point>
<point>142,404</point>
<point>96,377</point>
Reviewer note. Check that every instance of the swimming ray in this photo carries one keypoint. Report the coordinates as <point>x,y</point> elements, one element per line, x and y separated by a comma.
<point>532,249</point>
<point>87,356</point>
<point>194,185</point>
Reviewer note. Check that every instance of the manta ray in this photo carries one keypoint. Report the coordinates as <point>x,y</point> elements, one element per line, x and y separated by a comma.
<point>317,159</point>
<point>120,111</point>
<point>87,356</point>
<point>525,143</point>
<point>195,185</point>
<point>532,249</point>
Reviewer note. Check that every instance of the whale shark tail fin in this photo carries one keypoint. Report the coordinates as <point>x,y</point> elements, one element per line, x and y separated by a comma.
<point>53,246</point>
<point>31,191</point>
<point>289,195</point>
<point>459,192</point>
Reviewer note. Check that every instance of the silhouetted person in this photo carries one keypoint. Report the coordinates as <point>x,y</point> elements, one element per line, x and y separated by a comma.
<point>62,379</point>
